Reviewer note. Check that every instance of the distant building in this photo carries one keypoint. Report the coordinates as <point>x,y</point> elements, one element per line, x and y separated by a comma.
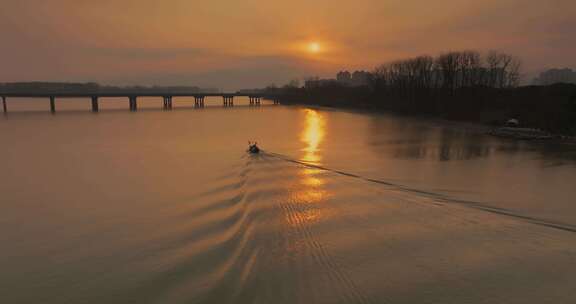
<point>343,78</point>
<point>556,76</point>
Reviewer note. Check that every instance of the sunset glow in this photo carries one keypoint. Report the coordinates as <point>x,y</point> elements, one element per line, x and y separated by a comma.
<point>314,47</point>
<point>216,43</point>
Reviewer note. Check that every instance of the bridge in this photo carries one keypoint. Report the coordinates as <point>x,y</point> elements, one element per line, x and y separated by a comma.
<point>132,98</point>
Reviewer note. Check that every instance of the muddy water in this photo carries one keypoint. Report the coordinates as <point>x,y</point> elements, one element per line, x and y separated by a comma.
<point>166,207</point>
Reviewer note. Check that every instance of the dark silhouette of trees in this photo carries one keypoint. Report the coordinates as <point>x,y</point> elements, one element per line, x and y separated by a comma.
<point>449,71</point>
<point>504,70</point>
<point>434,84</point>
<point>464,85</point>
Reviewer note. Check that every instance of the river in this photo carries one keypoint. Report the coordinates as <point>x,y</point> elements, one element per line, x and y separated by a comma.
<point>342,207</point>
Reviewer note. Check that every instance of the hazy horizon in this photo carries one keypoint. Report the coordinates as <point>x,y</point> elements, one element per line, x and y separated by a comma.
<point>256,43</point>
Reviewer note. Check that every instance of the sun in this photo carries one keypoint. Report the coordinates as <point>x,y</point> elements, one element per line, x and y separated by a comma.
<point>314,47</point>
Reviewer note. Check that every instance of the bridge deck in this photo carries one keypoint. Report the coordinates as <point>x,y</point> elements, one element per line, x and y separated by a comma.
<point>228,98</point>
<point>126,94</point>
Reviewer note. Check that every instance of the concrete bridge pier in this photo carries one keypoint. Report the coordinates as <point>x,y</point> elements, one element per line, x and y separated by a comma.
<point>167,105</point>
<point>228,101</point>
<point>95,108</point>
<point>199,101</point>
<point>4,104</point>
<point>133,103</point>
<point>254,100</point>
<point>52,104</point>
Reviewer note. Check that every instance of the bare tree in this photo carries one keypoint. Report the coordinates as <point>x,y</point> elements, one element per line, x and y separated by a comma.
<point>448,65</point>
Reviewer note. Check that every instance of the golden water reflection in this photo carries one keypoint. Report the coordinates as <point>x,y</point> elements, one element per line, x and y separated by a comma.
<point>312,135</point>
<point>310,190</point>
<point>310,178</point>
<point>311,186</point>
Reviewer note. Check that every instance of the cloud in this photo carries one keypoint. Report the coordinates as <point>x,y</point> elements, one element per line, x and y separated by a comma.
<point>243,72</point>
<point>219,42</point>
<point>144,53</point>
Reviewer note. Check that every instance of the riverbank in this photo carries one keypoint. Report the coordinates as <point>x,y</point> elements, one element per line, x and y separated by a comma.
<point>469,126</point>
<point>550,109</point>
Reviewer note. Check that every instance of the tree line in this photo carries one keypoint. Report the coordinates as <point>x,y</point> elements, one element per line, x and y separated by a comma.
<point>448,72</point>
<point>462,85</point>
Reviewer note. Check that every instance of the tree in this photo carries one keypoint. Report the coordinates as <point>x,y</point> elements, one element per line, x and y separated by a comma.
<point>294,83</point>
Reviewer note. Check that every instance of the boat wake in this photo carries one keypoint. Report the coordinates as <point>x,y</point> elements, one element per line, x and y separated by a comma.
<point>438,197</point>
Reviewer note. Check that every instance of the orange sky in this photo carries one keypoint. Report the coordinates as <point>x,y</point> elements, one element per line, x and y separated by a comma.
<point>251,43</point>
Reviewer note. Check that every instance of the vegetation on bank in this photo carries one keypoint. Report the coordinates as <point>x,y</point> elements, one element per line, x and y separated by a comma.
<point>456,85</point>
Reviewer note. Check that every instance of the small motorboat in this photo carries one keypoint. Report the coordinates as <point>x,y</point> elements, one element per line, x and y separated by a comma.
<point>253,148</point>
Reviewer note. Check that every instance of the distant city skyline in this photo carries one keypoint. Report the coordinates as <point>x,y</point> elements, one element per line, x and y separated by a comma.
<point>233,45</point>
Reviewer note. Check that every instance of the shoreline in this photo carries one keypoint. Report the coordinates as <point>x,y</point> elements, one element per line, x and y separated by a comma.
<point>549,109</point>
<point>476,127</point>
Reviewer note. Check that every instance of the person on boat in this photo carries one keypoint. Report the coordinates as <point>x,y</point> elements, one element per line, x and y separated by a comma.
<point>253,148</point>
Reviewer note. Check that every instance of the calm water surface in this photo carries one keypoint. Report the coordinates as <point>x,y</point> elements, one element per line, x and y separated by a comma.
<point>166,207</point>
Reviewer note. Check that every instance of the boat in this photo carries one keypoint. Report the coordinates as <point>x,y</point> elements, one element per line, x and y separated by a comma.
<point>253,148</point>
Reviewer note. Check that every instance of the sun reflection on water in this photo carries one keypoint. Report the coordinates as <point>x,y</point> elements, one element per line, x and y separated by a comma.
<point>312,136</point>
<point>311,185</point>
<point>309,191</point>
